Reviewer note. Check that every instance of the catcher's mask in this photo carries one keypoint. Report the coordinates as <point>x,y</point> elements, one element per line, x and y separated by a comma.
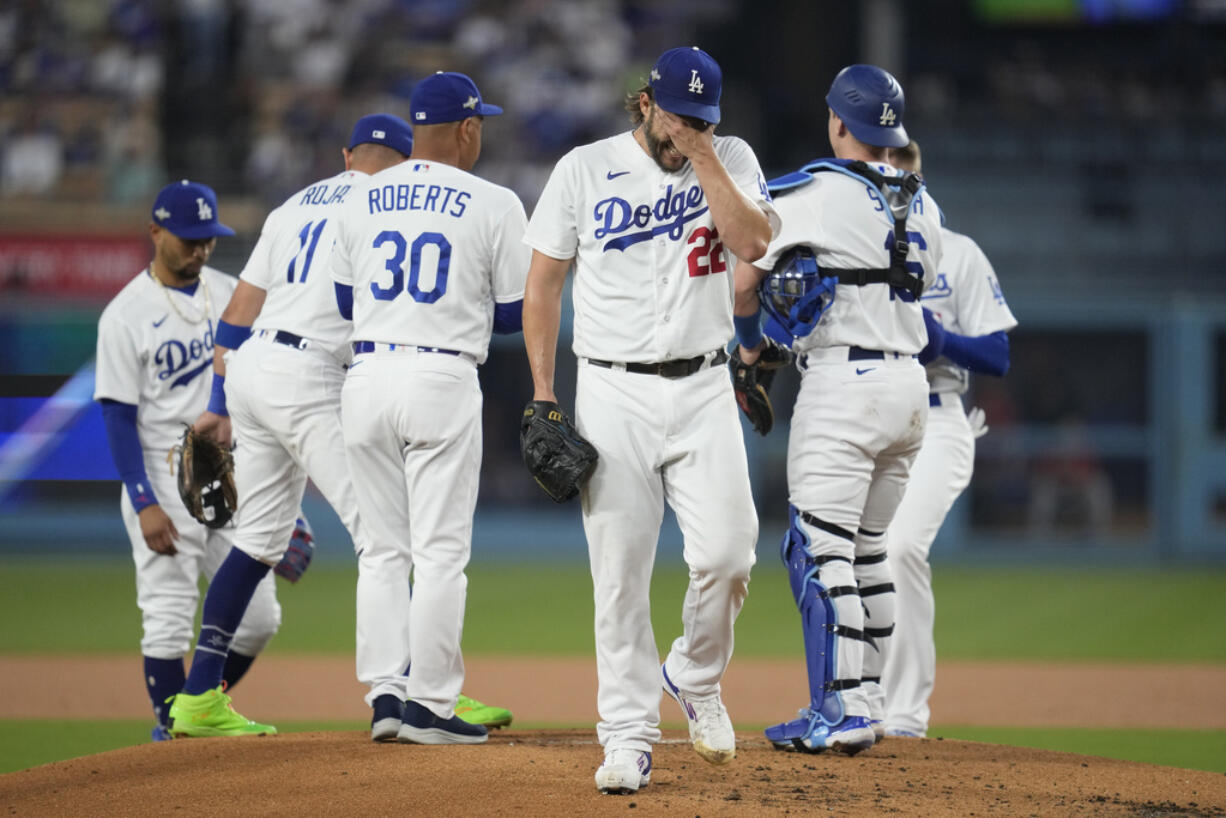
<point>795,294</point>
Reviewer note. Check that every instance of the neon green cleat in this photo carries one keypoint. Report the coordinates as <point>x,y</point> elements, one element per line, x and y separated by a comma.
<point>474,712</point>
<point>211,714</point>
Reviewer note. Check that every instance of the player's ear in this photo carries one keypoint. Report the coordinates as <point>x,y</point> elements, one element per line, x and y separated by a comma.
<point>348,156</point>
<point>644,104</point>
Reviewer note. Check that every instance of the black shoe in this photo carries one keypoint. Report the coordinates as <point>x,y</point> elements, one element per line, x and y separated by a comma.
<point>420,726</point>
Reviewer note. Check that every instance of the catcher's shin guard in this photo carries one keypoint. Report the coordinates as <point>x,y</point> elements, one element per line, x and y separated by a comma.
<point>818,621</point>
<point>877,594</point>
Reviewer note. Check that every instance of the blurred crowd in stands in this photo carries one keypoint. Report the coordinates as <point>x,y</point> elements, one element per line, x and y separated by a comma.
<point>103,100</point>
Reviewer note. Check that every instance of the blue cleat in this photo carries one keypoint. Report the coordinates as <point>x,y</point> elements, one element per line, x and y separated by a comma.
<point>811,734</point>
<point>160,733</point>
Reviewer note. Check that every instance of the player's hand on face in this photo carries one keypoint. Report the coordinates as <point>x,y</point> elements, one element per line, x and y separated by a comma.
<point>216,427</point>
<point>158,530</point>
<point>688,141</point>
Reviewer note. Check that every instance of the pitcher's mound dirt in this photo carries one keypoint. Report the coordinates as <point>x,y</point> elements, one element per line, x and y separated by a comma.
<point>549,773</point>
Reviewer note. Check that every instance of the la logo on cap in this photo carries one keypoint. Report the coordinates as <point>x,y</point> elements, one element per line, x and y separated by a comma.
<point>203,211</point>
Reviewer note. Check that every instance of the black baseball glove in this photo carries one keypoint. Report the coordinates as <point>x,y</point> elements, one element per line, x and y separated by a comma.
<point>752,382</point>
<point>206,478</point>
<point>555,453</point>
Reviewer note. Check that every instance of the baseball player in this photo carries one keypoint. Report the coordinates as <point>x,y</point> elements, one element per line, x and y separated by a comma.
<point>284,402</point>
<point>433,261</point>
<point>649,219</point>
<point>860,413</point>
<point>155,348</point>
<point>967,320</point>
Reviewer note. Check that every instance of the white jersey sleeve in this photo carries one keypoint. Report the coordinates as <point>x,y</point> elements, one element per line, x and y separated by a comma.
<point>555,231</point>
<point>428,250</point>
<point>966,299</point>
<point>291,263</point>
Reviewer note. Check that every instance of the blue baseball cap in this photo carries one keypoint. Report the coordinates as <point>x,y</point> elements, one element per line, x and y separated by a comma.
<point>189,210</point>
<point>383,129</point>
<point>686,81</point>
<point>447,96</point>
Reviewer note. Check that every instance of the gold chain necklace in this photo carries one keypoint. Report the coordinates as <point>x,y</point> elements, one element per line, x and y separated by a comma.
<point>208,302</point>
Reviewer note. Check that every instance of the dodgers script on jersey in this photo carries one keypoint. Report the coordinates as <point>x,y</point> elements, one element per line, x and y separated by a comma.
<point>649,233</point>
<point>293,256</point>
<point>157,354</point>
<point>849,226</point>
<point>418,288</point>
<point>966,299</point>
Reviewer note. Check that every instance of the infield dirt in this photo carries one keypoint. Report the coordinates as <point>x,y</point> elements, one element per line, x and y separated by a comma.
<point>548,772</point>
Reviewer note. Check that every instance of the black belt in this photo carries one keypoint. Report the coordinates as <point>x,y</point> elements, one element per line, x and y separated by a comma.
<point>679,368</point>
<point>360,347</point>
<point>862,354</point>
<point>290,339</point>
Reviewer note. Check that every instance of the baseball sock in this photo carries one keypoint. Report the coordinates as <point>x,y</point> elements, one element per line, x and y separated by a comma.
<point>229,594</point>
<point>163,678</point>
<point>236,667</point>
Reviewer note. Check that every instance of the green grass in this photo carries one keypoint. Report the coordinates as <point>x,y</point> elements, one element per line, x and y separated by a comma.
<point>1189,749</point>
<point>999,613</point>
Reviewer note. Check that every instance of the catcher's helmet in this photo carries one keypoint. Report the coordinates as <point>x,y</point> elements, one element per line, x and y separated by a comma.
<point>870,101</point>
<point>794,292</point>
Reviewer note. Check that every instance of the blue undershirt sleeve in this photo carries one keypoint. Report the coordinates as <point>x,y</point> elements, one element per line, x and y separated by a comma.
<point>120,420</point>
<point>985,354</point>
<point>344,300</point>
<point>509,317</point>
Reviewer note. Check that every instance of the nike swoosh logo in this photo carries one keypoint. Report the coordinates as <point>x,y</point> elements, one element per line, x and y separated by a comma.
<point>157,324</point>
<point>862,371</point>
<point>612,175</point>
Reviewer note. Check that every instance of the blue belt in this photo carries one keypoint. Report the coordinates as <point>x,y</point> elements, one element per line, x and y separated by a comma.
<point>360,347</point>
<point>934,398</point>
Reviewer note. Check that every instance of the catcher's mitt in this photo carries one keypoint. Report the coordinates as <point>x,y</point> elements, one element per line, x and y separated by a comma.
<point>297,558</point>
<point>206,478</point>
<point>752,382</point>
<point>554,451</point>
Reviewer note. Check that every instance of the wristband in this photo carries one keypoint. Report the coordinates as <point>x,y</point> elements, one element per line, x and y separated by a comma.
<point>748,330</point>
<point>230,336</point>
<point>217,397</point>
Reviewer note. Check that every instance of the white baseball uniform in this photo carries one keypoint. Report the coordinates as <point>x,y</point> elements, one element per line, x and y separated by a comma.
<point>428,249</point>
<point>860,412</point>
<point>283,386</point>
<point>967,299</point>
<point>155,350</point>
<point>653,284</point>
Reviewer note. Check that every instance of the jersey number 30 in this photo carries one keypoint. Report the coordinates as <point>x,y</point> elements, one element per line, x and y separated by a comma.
<point>395,266</point>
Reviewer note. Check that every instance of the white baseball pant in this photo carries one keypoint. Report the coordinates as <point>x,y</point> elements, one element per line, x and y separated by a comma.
<point>167,587</point>
<point>856,429</point>
<point>662,439</point>
<point>941,472</point>
<point>412,425</point>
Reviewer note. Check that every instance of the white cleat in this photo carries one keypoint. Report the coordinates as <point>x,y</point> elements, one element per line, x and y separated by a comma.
<point>710,728</point>
<point>623,772</point>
